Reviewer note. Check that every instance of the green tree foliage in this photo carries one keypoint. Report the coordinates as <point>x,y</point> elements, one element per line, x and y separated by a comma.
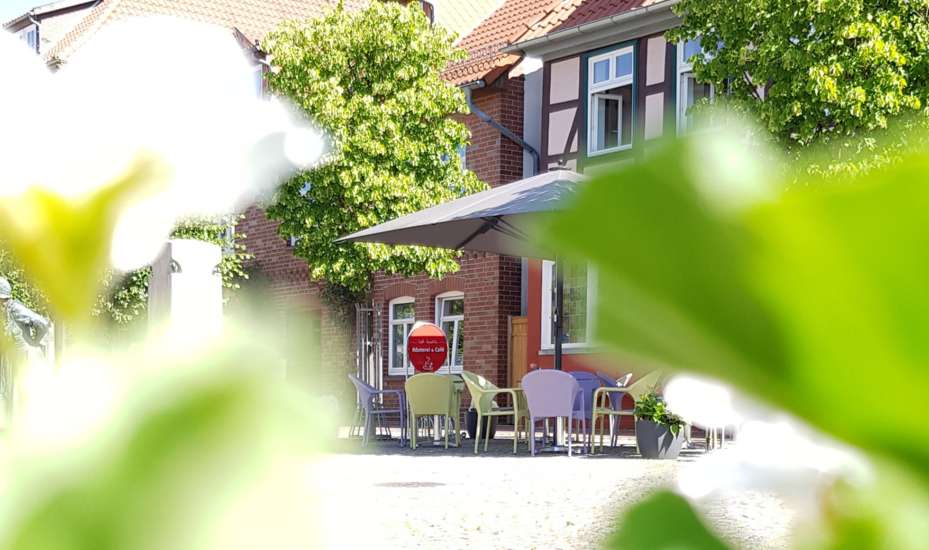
<point>22,290</point>
<point>372,80</point>
<point>817,71</point>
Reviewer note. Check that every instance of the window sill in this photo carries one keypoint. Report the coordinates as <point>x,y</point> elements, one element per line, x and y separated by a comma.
<point>608,151</point>
<point>580,349</point>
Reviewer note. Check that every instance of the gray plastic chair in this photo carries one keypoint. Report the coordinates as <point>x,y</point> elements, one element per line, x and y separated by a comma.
<point>367,400</point>
<point>553,394</point>
<point>589,383</point>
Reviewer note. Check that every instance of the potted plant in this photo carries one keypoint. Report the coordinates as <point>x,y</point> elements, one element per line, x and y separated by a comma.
<point>658,432</point>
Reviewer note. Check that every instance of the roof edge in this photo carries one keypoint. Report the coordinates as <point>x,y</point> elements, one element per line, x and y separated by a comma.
<point>584,28</point>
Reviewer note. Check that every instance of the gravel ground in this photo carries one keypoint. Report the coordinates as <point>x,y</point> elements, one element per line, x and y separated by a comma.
<point>387,497</point>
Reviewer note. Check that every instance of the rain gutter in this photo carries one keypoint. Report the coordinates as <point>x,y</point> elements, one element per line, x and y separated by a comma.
<point>506,132</point>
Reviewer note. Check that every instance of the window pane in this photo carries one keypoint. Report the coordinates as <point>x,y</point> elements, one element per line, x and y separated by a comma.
<point>398,345</point>
<point>602,71</point>
<point>624,65</point>
<point>403,311</point>
<point>448,327</point>
<point>452,306</point>
<point>574,320</point>
<point>459,345</point>
<point>691,48</point>
<point>693,92</point>
<point>607,113</point>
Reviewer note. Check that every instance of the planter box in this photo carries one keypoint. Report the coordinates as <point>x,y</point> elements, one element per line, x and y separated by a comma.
<point>656,440</point>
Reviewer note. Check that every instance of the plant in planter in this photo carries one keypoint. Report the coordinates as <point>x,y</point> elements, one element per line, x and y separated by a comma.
<point>658,432</point>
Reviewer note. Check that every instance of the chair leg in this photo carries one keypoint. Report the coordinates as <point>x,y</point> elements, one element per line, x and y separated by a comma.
<point>570,434</point>
<point>447,422</point>
<point>477,438</point>
<point>532,436</point>
<point>515,432</point>
<point>367,429</point>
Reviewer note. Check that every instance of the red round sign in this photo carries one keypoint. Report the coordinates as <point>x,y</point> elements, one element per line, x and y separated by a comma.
<point>427,347</point>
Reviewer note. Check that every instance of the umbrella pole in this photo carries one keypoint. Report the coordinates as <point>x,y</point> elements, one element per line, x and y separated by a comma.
<point>558,331</point>
<point>556,318</point>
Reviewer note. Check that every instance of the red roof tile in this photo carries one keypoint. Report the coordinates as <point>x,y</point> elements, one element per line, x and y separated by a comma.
<point>500,29</point>
<point>571,13</point>
<point>254,18</point>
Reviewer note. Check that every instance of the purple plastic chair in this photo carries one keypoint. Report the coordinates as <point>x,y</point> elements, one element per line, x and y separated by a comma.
<point>553,394</point>
<point>584,408</point>
<point>367,399</point>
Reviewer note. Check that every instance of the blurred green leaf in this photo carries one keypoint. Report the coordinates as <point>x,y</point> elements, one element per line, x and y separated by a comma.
<point>63,245</point>
<point>663,521</point>
<point>815,300</point>
<point>190,446</point>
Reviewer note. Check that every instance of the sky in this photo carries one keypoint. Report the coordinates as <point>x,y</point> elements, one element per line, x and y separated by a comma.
<point>12,8</point>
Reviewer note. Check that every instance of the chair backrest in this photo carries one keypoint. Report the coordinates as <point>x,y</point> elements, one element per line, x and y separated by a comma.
<point>429,393</point>
<point>611,382</point>
<point>645,384</point>
<point>550,392</point>
<point>365,390</point>
<point>477,387</point>
<point>589,383</point>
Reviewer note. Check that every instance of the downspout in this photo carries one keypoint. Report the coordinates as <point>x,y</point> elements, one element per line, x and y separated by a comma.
<point>506,132</point>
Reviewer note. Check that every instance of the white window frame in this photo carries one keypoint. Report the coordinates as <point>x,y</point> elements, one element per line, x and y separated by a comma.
<point>684,67</point>
<point>594,90</point>
<point>548,342</point>
<point>394,370</point>
<point>459,321</point>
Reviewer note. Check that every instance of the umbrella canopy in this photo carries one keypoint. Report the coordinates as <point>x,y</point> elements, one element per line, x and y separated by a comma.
<point>494,221</point>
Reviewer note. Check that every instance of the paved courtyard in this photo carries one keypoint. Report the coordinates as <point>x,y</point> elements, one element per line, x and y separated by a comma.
<point>387,497</point>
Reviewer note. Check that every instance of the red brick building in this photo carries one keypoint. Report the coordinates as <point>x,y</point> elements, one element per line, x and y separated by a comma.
<point>477,302</point>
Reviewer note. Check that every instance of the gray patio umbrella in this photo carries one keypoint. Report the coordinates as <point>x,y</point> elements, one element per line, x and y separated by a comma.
<point>496,220</point>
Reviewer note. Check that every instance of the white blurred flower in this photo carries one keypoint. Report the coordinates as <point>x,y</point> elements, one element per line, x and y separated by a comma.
<point>771,451</point>
<point>180,91</point>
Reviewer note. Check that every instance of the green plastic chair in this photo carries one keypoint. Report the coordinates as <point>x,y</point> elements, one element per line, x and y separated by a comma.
<point>429,394</point>
<point>482,399</point>
<point>604,405</point>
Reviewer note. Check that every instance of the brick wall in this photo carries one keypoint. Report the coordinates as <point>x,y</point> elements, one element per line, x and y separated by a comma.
<point>491,290</point>
<point>283,279</point>
<point>495,159</point>
<point>490,283</point>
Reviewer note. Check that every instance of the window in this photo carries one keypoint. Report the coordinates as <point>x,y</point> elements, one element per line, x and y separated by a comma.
<point>30,35</point>
<point>258,80</point>
<point>610,106</point>
<point>450,317</point>
<point>579,297</point>
<point>428,9</point>
<point>463,156</point>
<point>689,91</point>
<point>402,316</point>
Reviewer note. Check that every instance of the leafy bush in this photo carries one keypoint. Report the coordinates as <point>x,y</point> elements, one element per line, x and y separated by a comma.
<point>651,406</point>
